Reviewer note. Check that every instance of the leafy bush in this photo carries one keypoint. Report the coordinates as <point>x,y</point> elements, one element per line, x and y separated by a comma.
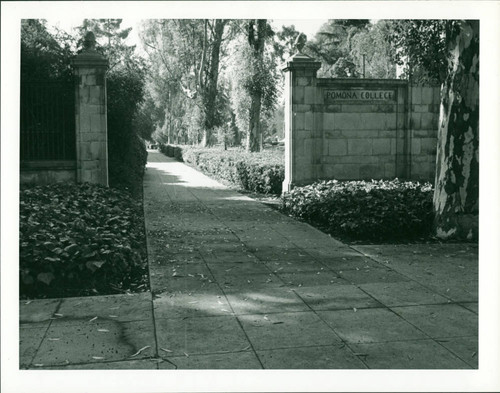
<point>376,210</point>
<point>127,153</point>
<point>80,239</point>
<point>172,151</point>
<point>258,172</point>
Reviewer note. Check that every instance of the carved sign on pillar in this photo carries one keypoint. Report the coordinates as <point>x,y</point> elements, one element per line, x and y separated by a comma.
<point>91,114</point>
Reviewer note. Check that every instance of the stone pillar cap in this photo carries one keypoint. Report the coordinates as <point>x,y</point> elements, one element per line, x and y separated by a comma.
<point>300,61</point>
<point>89,56</point>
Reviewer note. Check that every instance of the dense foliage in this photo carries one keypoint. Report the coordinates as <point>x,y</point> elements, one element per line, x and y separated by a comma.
<point>420,46</point>
<point>44,56</point>
<point>80,240</point>
<point>211,79</point>
<point>361,210</point>
<point>47,56</point>
<point>261,172</point>
<point>126,150</point>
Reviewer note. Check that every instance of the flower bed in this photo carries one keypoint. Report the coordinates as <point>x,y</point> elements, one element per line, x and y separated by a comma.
<point>364,210</point>
<point>78,240</point>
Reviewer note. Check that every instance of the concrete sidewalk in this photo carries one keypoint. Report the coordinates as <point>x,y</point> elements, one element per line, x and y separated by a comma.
<point>235,284</point>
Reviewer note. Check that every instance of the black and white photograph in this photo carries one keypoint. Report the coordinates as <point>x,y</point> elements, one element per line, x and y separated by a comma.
<point>195,192</point>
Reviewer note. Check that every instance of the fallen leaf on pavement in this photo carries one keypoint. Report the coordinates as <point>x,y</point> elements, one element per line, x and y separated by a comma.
<point>140,350</point>
<point>93,319</point>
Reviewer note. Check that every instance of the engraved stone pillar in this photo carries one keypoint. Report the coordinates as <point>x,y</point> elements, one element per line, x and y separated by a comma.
<point>300,99</point>
<point>91,114</point>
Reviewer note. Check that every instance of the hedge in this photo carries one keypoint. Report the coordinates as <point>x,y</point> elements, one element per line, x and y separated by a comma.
<point>364,210</point>
<point>127,153</point>
<point>261,172</point>
<point>172,151</point>
<point>80,239</point>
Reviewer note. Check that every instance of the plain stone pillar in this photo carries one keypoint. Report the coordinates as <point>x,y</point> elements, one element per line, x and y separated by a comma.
<point>91,114</point>
<point>300,139</point>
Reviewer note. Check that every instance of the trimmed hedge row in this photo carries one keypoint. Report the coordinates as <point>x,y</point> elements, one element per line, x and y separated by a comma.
<point>172,151</point>
<point>127,155</point>
<point>362,210</point>
<point>261,172</point>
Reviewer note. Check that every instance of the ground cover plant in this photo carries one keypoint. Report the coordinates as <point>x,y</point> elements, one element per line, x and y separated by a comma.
<point>261,172</point>
<point>377,210</point>
<point>80,239</point>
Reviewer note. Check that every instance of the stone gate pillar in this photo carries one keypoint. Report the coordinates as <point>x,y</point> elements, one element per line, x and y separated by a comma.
<point>300,139</point>
<point>91,114</point>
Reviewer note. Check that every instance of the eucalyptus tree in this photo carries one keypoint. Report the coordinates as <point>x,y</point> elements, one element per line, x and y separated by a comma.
<point>254,80</point>
<point>186,52</point>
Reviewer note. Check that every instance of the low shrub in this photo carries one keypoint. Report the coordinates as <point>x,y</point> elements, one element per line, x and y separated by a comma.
<point>172,151</point>
<point>364,210</point>
<point>80,239</point>
<point>261,172</point>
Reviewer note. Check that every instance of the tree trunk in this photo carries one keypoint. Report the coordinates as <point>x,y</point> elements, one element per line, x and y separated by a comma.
<point>211,90</point>
<point>235,132</point>
<point>456,202</point>
<point>256,39</point>
<point>254,137</point>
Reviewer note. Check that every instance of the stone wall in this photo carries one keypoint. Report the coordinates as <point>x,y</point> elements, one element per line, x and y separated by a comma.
<point>91,164</point>
<point>353,129</point>
<point>424,105</point>
<point>47,172</point>
<point>363,138</point>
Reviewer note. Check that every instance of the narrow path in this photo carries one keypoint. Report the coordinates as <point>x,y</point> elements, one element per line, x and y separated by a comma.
<point>236,284</point>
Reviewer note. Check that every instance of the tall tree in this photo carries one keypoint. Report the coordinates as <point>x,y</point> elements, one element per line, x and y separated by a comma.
<point>456,197</point>
<point>253,79</point>
<point>210,94</point>
<point>187,52</point>
<point>257,31</point>
<point>448,51</point>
